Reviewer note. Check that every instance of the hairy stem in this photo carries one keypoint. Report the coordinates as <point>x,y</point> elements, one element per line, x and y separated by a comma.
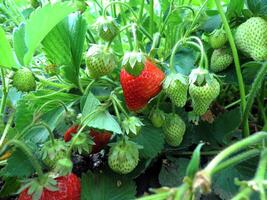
<point>237,65</point>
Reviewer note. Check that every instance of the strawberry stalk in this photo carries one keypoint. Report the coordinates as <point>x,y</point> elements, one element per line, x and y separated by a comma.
<point>203,178</point>
<point>237,66</point>
<point>120,3</point>
<point>4,92</point>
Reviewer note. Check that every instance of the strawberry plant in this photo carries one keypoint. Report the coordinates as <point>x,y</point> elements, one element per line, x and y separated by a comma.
<point>136,99</point>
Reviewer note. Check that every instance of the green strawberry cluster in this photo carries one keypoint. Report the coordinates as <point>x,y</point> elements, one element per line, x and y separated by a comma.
<point>173,129</point>
<point>221,59</point>
<point>251,38</point>
<point>123,157</point>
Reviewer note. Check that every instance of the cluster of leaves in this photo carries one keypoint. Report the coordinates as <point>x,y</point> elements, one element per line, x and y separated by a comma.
<point>51,39</point>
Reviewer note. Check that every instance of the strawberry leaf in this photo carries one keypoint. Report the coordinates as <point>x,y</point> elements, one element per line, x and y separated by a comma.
<point>101,120</point>
<point>45,19</point>
<point>151,139</point>
<point>6,52</point>
<point>104,186</point>
<point>19,42</point>
<point>18,165</point>
<point>64,46</point>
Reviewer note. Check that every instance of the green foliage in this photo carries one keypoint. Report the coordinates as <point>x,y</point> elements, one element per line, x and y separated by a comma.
<point>103,186</point>
<point>6,52</point>
<point>100,120</point>
<point>53,14</point>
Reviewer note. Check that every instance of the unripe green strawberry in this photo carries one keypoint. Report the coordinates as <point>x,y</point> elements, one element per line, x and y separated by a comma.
<point>107,28</point>
<point>24,80</point>
<point>100,61</point>
<point>251,38</point>
<point>221,59</point>
<point>173,129</point>
<point>157,118</point>
<point>203,95</point>
<point>176,86</point>
<point>123,157</point>
<point>217,38</point>
<point>52,152</point>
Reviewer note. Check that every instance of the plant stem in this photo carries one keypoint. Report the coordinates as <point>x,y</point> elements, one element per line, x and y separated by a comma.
<point>151,14</point>
<point>4,91</point>
<point>141,11</point>
<point>237,66</point>
<point>36,165</point>
<point>49,102</point>
<point>123,4</point>
<point>233,149</point>
<point>8,125</point>
<point>236,160</point>
<point>254,89</point>
<point>187,33</point>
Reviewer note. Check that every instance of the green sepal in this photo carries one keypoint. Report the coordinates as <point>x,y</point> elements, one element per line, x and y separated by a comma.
<point>83,143</point>
<point>171,78</point>
<point>36,186</point>
<point>134,62</point>
<point>200,76</point>
<point>132,125</point>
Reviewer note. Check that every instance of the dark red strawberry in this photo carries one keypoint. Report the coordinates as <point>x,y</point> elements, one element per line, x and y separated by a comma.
<point>100,139</point>
<point>138,90</point>
<point>69,188</point>
<point>69,132</point>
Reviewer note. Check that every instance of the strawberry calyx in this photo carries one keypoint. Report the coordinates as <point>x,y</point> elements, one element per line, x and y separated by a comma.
<point>171,78</point>
<point>132,125</point>
<point>134,62</point>
<point>35,186</point>
<point>82,143</point>
<point>200,76</point>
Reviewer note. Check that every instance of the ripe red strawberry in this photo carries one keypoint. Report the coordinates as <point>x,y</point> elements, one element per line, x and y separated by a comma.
<point>101,139</point>
<point>138,90</point>
<point>69,132</point>
<point>69,188</point>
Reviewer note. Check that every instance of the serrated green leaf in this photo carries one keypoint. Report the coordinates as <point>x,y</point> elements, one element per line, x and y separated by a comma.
<point>172,173</point>
<point>107,186</point>
<point>45,19</point>
<point>11,185</point>
<point>151,139</point>
<point>102,120</point>
<point>19,42</point>
<point>7,58</point>
<point>64,46</point>
<point>18,165</point>
<point>223,182</point>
